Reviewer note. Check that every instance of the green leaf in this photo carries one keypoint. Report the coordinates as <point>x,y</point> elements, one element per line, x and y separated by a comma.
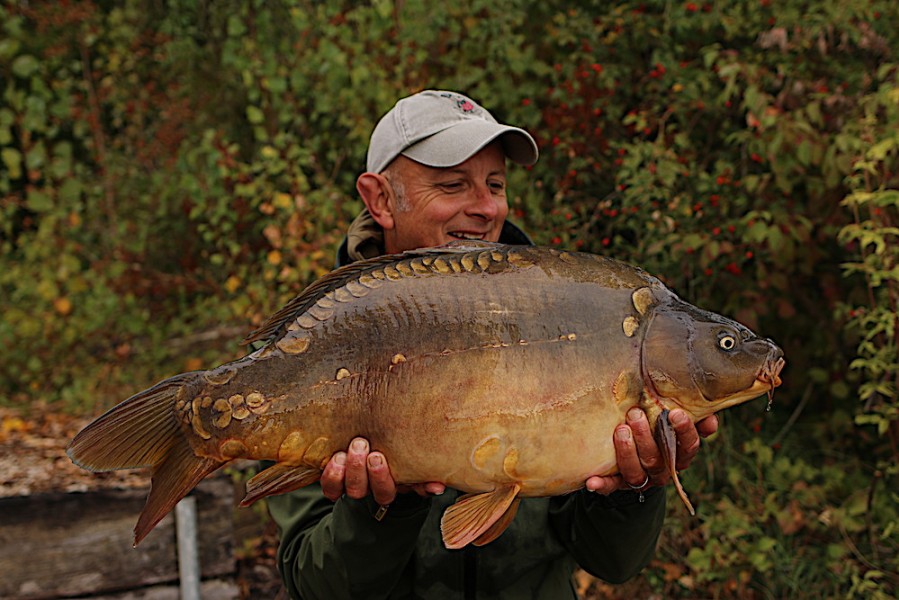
<point>804,152</point>
<point>881,149</point>
<point>70,191</point>
<point>255,115</point>
<point>12,158</point>
<point>236,26</point>
<point>39,201</point>
<point>24,66</point>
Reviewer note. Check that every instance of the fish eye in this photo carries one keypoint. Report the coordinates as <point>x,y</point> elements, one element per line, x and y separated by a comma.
<point>727,342</point>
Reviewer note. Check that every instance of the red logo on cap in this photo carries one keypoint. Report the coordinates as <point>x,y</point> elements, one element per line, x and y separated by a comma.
<point>462,102</point>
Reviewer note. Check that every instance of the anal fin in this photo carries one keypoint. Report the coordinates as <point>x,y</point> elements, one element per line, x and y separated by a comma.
<point>279,479</point>
<point>473,515</point>
<point>667,442</point>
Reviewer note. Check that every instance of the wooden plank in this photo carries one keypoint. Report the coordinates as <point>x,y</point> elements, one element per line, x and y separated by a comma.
<point>217,588</point>
<point>61,545</point>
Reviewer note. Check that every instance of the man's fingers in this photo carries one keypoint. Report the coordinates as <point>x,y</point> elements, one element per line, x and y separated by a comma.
<point>707,426</point>
<point>356,476</point>
<point>650,457</point>
<point>629,466</point>
<point>383,488</point>
<point>425,490</point>
<point>434,488</point>
<point>606,484</point>
<point>332,477</point>
<point>687,438</point>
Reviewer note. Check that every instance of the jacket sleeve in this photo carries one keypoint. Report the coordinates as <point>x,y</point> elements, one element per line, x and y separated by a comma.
<point>339,550</point>
<point>612,537</point>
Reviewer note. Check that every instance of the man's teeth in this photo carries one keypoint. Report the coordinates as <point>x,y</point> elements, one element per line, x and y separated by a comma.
<point>467,236</point>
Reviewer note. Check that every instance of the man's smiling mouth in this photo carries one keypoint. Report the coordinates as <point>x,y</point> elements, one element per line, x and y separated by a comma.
<point>461,235</point>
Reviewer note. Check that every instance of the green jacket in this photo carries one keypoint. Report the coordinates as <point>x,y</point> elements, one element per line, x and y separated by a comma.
<point>338,550</point>
<point>333,551</point>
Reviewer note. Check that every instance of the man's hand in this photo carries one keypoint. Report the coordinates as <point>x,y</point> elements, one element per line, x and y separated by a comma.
<point>359,472</point>
<point>640,463</point>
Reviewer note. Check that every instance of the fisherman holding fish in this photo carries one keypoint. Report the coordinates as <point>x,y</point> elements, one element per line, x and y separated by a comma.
<point>507,371</point>
<point>436,173</point>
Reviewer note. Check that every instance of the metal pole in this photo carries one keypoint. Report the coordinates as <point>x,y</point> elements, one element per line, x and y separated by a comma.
<point>188,554</point>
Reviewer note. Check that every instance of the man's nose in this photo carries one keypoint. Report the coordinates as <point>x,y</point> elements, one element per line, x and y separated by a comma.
<point>484,203</point>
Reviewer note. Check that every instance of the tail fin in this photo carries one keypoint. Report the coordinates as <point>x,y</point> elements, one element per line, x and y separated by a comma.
<point>143,431</point>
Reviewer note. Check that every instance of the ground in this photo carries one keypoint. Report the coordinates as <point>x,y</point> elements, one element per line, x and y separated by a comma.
<point>33,461</point>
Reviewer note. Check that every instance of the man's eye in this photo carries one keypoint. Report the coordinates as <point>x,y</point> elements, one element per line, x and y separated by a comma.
<point>451,187</point>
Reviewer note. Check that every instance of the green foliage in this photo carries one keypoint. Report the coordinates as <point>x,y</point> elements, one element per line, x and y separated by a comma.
<point>172,173</point>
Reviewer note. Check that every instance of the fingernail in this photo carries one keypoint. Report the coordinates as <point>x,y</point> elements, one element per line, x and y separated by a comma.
<point>340,459</point>
<point>634,414</point>
<point>623,434</point>
<point>360,445</point>
<point>678,417</point>
<point>375,460</point>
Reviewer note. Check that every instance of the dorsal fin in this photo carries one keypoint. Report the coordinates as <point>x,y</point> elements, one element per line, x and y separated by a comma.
<point>340,277</point>
<point>310,295</point>
<point>456,247</point>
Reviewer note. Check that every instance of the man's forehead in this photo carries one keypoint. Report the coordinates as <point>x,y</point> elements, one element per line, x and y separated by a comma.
<point>491,158</point>
<point>499,169</point>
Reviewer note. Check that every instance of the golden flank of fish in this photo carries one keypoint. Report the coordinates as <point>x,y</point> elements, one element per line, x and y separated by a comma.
<point>498,370</point>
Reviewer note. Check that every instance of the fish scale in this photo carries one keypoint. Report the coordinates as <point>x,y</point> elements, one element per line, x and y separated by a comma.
<point>501,371</point>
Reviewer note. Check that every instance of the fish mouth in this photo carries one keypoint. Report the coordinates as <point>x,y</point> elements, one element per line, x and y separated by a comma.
<point>767,379</point>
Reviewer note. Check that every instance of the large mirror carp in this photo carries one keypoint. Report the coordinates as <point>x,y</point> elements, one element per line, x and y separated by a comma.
<point>501,371</point>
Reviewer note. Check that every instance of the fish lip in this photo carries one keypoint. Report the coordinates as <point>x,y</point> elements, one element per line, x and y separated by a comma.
<point>757,388</point>
<point>769,374</point>
<point>766,380</point>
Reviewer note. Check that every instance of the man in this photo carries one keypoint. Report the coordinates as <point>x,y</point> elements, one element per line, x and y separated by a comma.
<point>436,172</point>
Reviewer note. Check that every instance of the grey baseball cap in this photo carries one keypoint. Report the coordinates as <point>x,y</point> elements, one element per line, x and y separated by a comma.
<point>443,129</point>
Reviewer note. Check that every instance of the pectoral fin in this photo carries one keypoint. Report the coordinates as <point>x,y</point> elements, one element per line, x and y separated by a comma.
<point>667,442</point>
<point>279,479</point>
<point>499,527</point>
<point>477,515</point>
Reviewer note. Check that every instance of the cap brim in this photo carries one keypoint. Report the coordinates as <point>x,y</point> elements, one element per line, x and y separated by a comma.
<point>456,144</point>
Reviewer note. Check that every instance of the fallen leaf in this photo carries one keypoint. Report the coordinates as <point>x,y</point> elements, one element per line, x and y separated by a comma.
<point>63,306</point>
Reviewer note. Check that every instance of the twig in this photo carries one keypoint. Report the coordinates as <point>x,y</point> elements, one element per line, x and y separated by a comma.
<point>872,538</point>
<point>206,336</point>
<point>96,125</point>
<point>861,557</point>
<point>806,396</point>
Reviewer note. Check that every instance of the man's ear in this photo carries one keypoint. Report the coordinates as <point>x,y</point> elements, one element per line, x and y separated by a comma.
<point>376,193</point>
